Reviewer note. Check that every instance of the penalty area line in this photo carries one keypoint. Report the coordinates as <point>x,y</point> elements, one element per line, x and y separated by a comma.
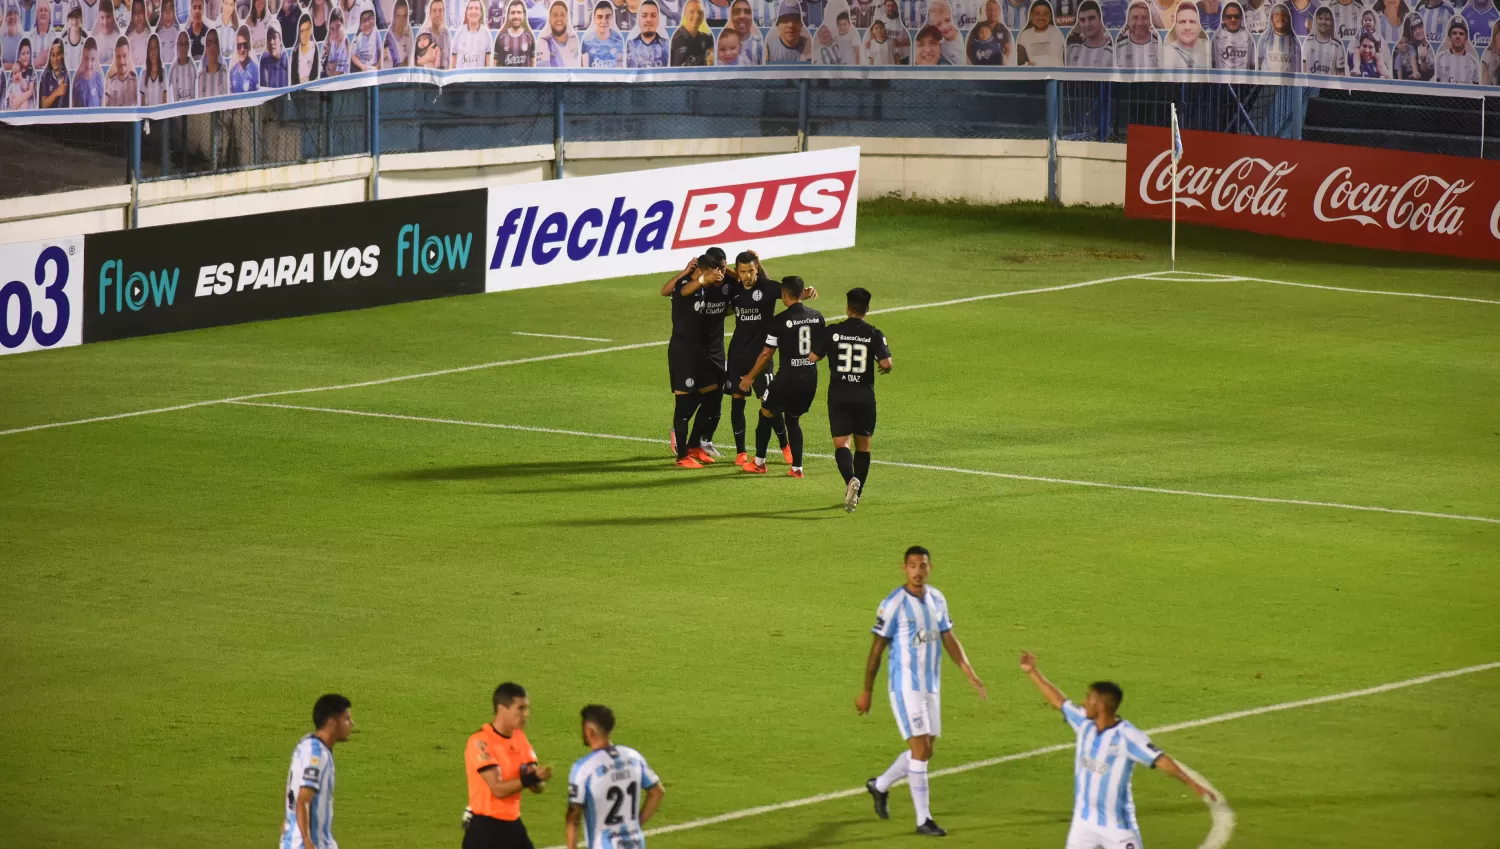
<point>1063,747</point>
<point>1299,502</point>
<point>559,336</point>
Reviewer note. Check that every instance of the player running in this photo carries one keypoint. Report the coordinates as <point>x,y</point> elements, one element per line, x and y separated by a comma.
<point>1108,750</point>
<point>685,355</point>
<point>609,780</point>
<point>798,331</point>
<point>852,345</point>
<point>499,763</point>
<point>754,302</point>
<point>913,620</point>
<point>309,781</point>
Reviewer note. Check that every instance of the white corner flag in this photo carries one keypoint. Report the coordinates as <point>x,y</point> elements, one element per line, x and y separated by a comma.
<point>1176,157</point>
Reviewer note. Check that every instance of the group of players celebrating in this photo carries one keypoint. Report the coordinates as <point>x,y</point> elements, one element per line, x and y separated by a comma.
<point>700,373</point>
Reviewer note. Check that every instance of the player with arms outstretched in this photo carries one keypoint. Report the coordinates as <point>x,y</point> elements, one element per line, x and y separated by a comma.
<point>605,787</point>
<point>913,621</point>
<point>1108,750</point>
<point>853,347</point>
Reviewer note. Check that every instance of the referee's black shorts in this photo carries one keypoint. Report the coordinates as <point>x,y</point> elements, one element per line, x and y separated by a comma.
<point>851,417</point>
<point>490,833</point>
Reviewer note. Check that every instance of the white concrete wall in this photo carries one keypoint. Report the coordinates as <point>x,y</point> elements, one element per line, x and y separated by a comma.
<point>978,170</point>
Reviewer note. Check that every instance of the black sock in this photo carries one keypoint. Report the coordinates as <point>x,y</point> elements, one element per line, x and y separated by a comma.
<point>737,420</point>
<point>682,421</point>
<point>779,422</point>
<point>709,413</point>
<point>862,470</point>
<point>845,459</point>
<point>762,436</point>
<point>794,439</point>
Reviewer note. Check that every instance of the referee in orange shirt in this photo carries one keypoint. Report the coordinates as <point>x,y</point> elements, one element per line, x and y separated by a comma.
<point>499,763</point>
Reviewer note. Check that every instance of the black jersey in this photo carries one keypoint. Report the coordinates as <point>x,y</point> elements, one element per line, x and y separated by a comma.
<point>686,312</point>
<point>798,332</point>
<point>854,347</point>
<point>715,298</point>
<point>753,308</point>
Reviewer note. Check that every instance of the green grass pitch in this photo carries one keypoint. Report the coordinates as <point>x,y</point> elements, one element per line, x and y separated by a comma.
<point>177,588</point>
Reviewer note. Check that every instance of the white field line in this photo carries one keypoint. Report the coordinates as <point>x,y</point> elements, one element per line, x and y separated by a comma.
<point>1063,747</point>
<point>496,364</point>
<point>920,466</point>
<point>1230,278</point>
<point>560,336</point>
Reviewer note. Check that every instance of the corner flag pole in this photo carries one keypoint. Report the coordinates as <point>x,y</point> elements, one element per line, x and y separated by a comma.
<point>1176,155</point>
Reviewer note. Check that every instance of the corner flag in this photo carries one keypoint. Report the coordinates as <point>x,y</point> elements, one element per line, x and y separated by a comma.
<point>1176,157</point>
<point>1176,138</point>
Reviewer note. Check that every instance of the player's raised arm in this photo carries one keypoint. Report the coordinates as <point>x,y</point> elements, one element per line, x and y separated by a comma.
<point>872,668</point>
<point>670,286</point>
<point>1050,692</point>
<point>956,651</point>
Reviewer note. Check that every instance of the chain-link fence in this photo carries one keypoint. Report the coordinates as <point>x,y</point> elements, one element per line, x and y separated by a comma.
<point>57,158</point>
<point>308,126</point>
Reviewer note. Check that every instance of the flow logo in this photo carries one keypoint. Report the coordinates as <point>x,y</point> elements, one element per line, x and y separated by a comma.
<point>135,290</point>
<point>415,256</point>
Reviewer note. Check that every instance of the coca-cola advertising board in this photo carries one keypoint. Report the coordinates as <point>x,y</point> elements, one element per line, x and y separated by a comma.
<point>1360,196</point>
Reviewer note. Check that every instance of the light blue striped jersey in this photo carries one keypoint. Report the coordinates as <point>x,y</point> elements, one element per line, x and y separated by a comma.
<point>915,627</point>
<point>1102,765</point>
<point>609,785</point>
<point>312,766</point>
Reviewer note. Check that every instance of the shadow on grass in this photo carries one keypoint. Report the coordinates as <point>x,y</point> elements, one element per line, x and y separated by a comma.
<point>1103,232</point>
<point>830,512</point>
<point>496,471</point>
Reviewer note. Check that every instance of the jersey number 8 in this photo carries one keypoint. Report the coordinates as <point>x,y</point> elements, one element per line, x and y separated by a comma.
<point>804,340</point>
<point>853,358</point>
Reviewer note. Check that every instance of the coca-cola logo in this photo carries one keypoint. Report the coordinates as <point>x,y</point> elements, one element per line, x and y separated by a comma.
<point>1424,202</point>
<point>1248,184</point>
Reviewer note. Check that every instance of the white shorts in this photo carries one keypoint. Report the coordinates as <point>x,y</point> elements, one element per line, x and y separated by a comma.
<point>917,713</point>
<point>1086,835</point>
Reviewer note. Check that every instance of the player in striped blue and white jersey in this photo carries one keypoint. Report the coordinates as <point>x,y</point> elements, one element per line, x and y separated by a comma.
<point>1107,752</point>
<point>308,823</point>
<point>913,621</point>
<point>605,788</point>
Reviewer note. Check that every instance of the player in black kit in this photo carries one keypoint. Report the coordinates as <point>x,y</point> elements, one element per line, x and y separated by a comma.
<point>799,333</point>
<point>685,350</point>
<point>852,346</point>
<point>754,301</point>
<point>711,363</point>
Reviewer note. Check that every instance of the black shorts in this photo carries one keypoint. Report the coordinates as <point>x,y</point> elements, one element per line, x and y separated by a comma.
<point>789,396</point>
<point>711,368</point>
<point>739,366</point>
<point>682,365</point>
<point>851,417</point>
<point>490,833</point>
